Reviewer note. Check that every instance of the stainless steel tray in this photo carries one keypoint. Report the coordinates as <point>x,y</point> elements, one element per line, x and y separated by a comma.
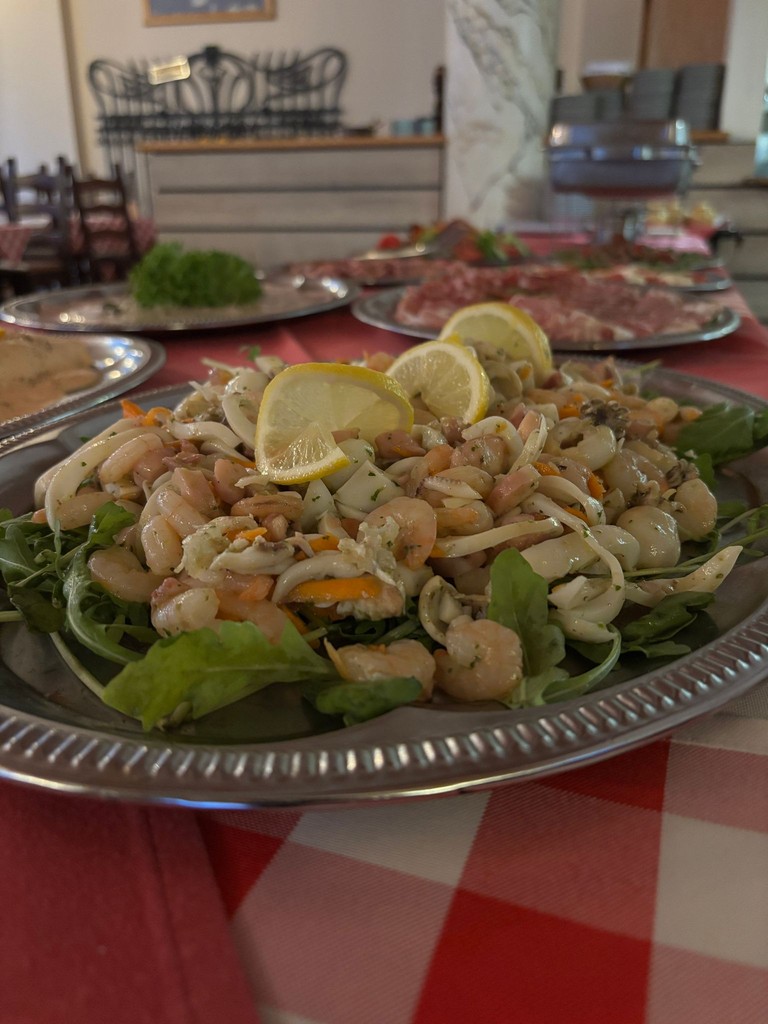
<point>122,363</point>
<point>56,734</point>
<point>109,308</point>
<point>378,310</point>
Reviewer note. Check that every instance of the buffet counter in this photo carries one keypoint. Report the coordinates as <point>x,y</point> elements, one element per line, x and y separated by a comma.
<point>275,200</point>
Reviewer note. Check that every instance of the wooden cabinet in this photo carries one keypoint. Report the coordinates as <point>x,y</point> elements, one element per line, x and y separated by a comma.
<point>278,200</point>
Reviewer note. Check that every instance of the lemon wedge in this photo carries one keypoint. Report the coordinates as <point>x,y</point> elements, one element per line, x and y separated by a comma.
<point>304,404</point>
<point>448,377</point>
<point>508,328</point>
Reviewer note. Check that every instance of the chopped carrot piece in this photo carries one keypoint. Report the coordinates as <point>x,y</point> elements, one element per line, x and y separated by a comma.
<point>595,485</point>
<point>39,516</point>
<point>153,415</point>
<point>130,409</point>
<point>546,468</point>
<point>351,589</point>
<point>577,512</point>
<point>326,542</point>
<point>569,410</point>
<point>237,534</point>
<point>300,624</point>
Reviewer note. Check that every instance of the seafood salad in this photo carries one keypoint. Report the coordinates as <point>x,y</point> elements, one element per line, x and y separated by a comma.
<point>516,559</point>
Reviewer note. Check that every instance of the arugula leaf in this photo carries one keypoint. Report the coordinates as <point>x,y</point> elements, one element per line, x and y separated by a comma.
<point>360,701</point>
<point>575,686</point>
<point>98,620</point>
<point>652,634</point>
<point>672,614</point>
<point>724,432</point>
<point>519,602</point>
<point>192,674</point>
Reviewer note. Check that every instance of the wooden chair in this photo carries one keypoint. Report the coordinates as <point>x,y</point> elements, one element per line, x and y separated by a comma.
<point>41,200</point>
<point>109,247</point>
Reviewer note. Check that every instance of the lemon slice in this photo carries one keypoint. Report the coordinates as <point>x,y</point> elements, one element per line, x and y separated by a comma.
<point>448,377</point>
<point>508,328</point>
<point>304,404</point>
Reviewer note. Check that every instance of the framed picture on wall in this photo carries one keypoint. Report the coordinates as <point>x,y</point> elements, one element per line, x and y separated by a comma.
<point>194,12</point>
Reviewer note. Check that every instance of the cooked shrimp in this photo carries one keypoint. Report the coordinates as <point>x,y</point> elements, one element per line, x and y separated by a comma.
<point>180,514</point>
<point>79,509</point>
<point>285,503</point>
<point>226,475</point>
<point>402,658</point>
<point>483,660</point>
<point>195,488</point>
<point>417,528</point>
<point>489,452</point>
<point>176,609</point>
<point>474,517</point>
<point>512,489</point>
<point>120,572</point>
<point>270,619</point>
<point>161,545</point>
<point>119,465</point>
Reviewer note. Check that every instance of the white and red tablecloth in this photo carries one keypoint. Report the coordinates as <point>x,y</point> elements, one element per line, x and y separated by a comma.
<point>632,891</point>
<point>14,237</point>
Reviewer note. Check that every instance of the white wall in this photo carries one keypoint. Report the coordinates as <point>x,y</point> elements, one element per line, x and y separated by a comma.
<point>393,47</point>
<point>745,80</point>
<point>597,30</point>
<point>36,123</point>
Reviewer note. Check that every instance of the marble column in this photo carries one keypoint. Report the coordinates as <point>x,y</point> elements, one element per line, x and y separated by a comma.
<point>499,81</point>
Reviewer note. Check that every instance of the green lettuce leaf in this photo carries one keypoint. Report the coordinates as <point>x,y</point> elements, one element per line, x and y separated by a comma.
<point>190,675</point>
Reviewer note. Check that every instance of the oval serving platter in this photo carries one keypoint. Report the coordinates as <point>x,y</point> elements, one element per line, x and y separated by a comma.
<point>107,308</point>
<point>121,362</point>
<point>378,309</point>
<point>54,733</point>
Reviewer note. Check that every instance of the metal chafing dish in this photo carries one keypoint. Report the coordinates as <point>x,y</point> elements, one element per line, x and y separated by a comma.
<point>627,160</point>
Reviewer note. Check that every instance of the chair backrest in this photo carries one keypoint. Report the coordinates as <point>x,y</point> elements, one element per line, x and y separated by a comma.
<point>43,199</point>
<point>108,237</point>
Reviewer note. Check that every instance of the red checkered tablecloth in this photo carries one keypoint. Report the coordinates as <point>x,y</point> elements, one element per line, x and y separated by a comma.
<point>632,891</point>
<point>14,237</point>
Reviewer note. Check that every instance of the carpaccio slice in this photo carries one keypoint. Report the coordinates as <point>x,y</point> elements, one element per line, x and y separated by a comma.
<point>569,305</point>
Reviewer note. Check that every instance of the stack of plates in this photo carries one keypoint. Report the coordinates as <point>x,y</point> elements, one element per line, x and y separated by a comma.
<point>651,94</point>
<point>580,108</point>
<point>610,104</point>
<point>699,88</point>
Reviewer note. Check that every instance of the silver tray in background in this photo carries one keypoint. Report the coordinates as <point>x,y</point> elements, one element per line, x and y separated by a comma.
<point>122,363</point>
<point>56,734</point>
<point>104,308</point>
<point>378,310</point>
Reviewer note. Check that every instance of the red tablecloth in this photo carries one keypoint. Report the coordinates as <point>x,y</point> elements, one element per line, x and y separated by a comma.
<point>633,891</point>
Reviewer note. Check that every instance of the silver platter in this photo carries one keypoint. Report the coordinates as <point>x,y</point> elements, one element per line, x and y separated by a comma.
<point>55,734</point>
<point>378,310</point>
<point>121,362</point>
<point>110,308</point>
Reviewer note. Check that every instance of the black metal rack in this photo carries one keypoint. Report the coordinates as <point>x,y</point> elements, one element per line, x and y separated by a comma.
<point>224,95</point>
